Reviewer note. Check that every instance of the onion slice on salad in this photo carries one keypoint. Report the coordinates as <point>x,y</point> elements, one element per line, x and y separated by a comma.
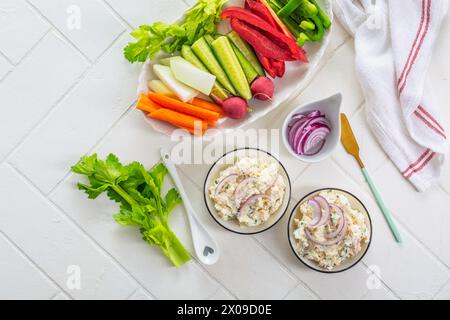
<point>317,213</point>
<point>274,181</point>
<point>243,210</point>
<point>224,182</point>
<point>325,206</point>
<point>328,242</point>
<point>341,223</point>
<point>239,191</point>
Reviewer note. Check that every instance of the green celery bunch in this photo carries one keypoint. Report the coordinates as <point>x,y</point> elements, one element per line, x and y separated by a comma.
<point>200,20</point>
<point>138,192</point>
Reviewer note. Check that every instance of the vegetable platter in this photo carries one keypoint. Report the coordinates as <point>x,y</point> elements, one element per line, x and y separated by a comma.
<point>288,80</point>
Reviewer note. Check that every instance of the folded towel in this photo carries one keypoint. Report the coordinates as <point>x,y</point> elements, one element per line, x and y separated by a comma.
<point>394,42</point>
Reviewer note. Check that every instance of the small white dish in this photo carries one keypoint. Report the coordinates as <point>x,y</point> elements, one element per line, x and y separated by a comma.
<point>349,263</point>
<point>226,161</point>
<point>331,108</point>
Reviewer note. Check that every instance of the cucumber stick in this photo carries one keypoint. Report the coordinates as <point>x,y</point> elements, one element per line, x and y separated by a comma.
<point>209,39</point>
<point>230,63</point>
<point>247,51</point>
<point>250,72</point>
<point>218,91</point>
<point>189,55</point>
<point>203,51</point>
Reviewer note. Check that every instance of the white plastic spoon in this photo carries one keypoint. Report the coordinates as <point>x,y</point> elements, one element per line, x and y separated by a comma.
<point>205,246</point>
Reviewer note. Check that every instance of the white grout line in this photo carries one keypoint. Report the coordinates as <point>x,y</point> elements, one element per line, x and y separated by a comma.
<point>92,148</point>
<point>32,263</point>
<point>116,14</point>
<point>441,289</point>
<point>288,271</point>
<point>304,287</point>
<point>7,59</point>
<point>386,286</point>
<point>76,226</point>
<point>186,3</point>
<point>57,31</point>
<point>440,186</point>
<point>54,107</point>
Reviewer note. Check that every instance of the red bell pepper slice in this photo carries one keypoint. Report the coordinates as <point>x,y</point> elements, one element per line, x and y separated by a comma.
<point>279,38</point>
<point>280,23</point>
<point>280,67</point>
<point>267,65</point>
<point>261,11</point>
<point>260,42</point>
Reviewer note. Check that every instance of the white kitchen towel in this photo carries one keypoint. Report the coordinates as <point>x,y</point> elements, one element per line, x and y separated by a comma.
<point>394,43</point>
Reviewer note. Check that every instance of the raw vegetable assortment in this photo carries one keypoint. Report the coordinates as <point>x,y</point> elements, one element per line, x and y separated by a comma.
<point>138,193</point>
<point>230,69</point>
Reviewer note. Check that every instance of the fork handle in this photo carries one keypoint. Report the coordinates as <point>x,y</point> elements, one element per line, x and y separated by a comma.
<point>382,206</point>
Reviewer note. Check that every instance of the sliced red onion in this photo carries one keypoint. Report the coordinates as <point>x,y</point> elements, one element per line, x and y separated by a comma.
<point>327,243</point>
<point>312,138</point>
<point>314,114</point>
<point>316,149</point>
<point>249,201</point>
<point>296,127</point>
<point>316,136</point>
<point>341,223</point>
<point>239,191</point>
<point>271,184</point>
<point>317,212</point>
<point>307,133</point>
<point>297,116</point>
<point>324,205</point>
<point>225,181</point>
<point>308,128</point>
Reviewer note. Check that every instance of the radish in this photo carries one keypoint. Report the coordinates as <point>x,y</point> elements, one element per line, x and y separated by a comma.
<point>235,107</point>
<point>263,89</point>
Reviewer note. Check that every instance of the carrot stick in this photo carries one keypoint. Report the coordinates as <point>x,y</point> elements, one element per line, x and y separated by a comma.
<point>212,123</point>
<point>208,105</point>
<point>182,107</point>
<point>147,105</point>
<point>178,119</point>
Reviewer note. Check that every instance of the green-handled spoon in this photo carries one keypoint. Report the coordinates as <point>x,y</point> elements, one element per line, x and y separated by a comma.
<point>351,146</point>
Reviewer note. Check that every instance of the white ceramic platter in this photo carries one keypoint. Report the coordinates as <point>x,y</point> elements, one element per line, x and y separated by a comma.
<point>293,82</point>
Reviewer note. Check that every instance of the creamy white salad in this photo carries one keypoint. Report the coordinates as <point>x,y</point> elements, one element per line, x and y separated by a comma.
<point>329,230</point>
<point>250,191</point>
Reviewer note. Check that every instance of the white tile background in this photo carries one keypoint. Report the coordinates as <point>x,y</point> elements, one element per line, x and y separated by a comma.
<point>65,93</point>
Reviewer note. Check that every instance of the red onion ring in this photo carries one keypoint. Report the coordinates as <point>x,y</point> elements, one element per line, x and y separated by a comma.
<point>330,242</point>
<point>238,192</point>
<point>224,182</point>
<point>307,133</point>
<point>271,184</point>
<point>326,210</point>
<point>341,223</point>
<point>317,210</point>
